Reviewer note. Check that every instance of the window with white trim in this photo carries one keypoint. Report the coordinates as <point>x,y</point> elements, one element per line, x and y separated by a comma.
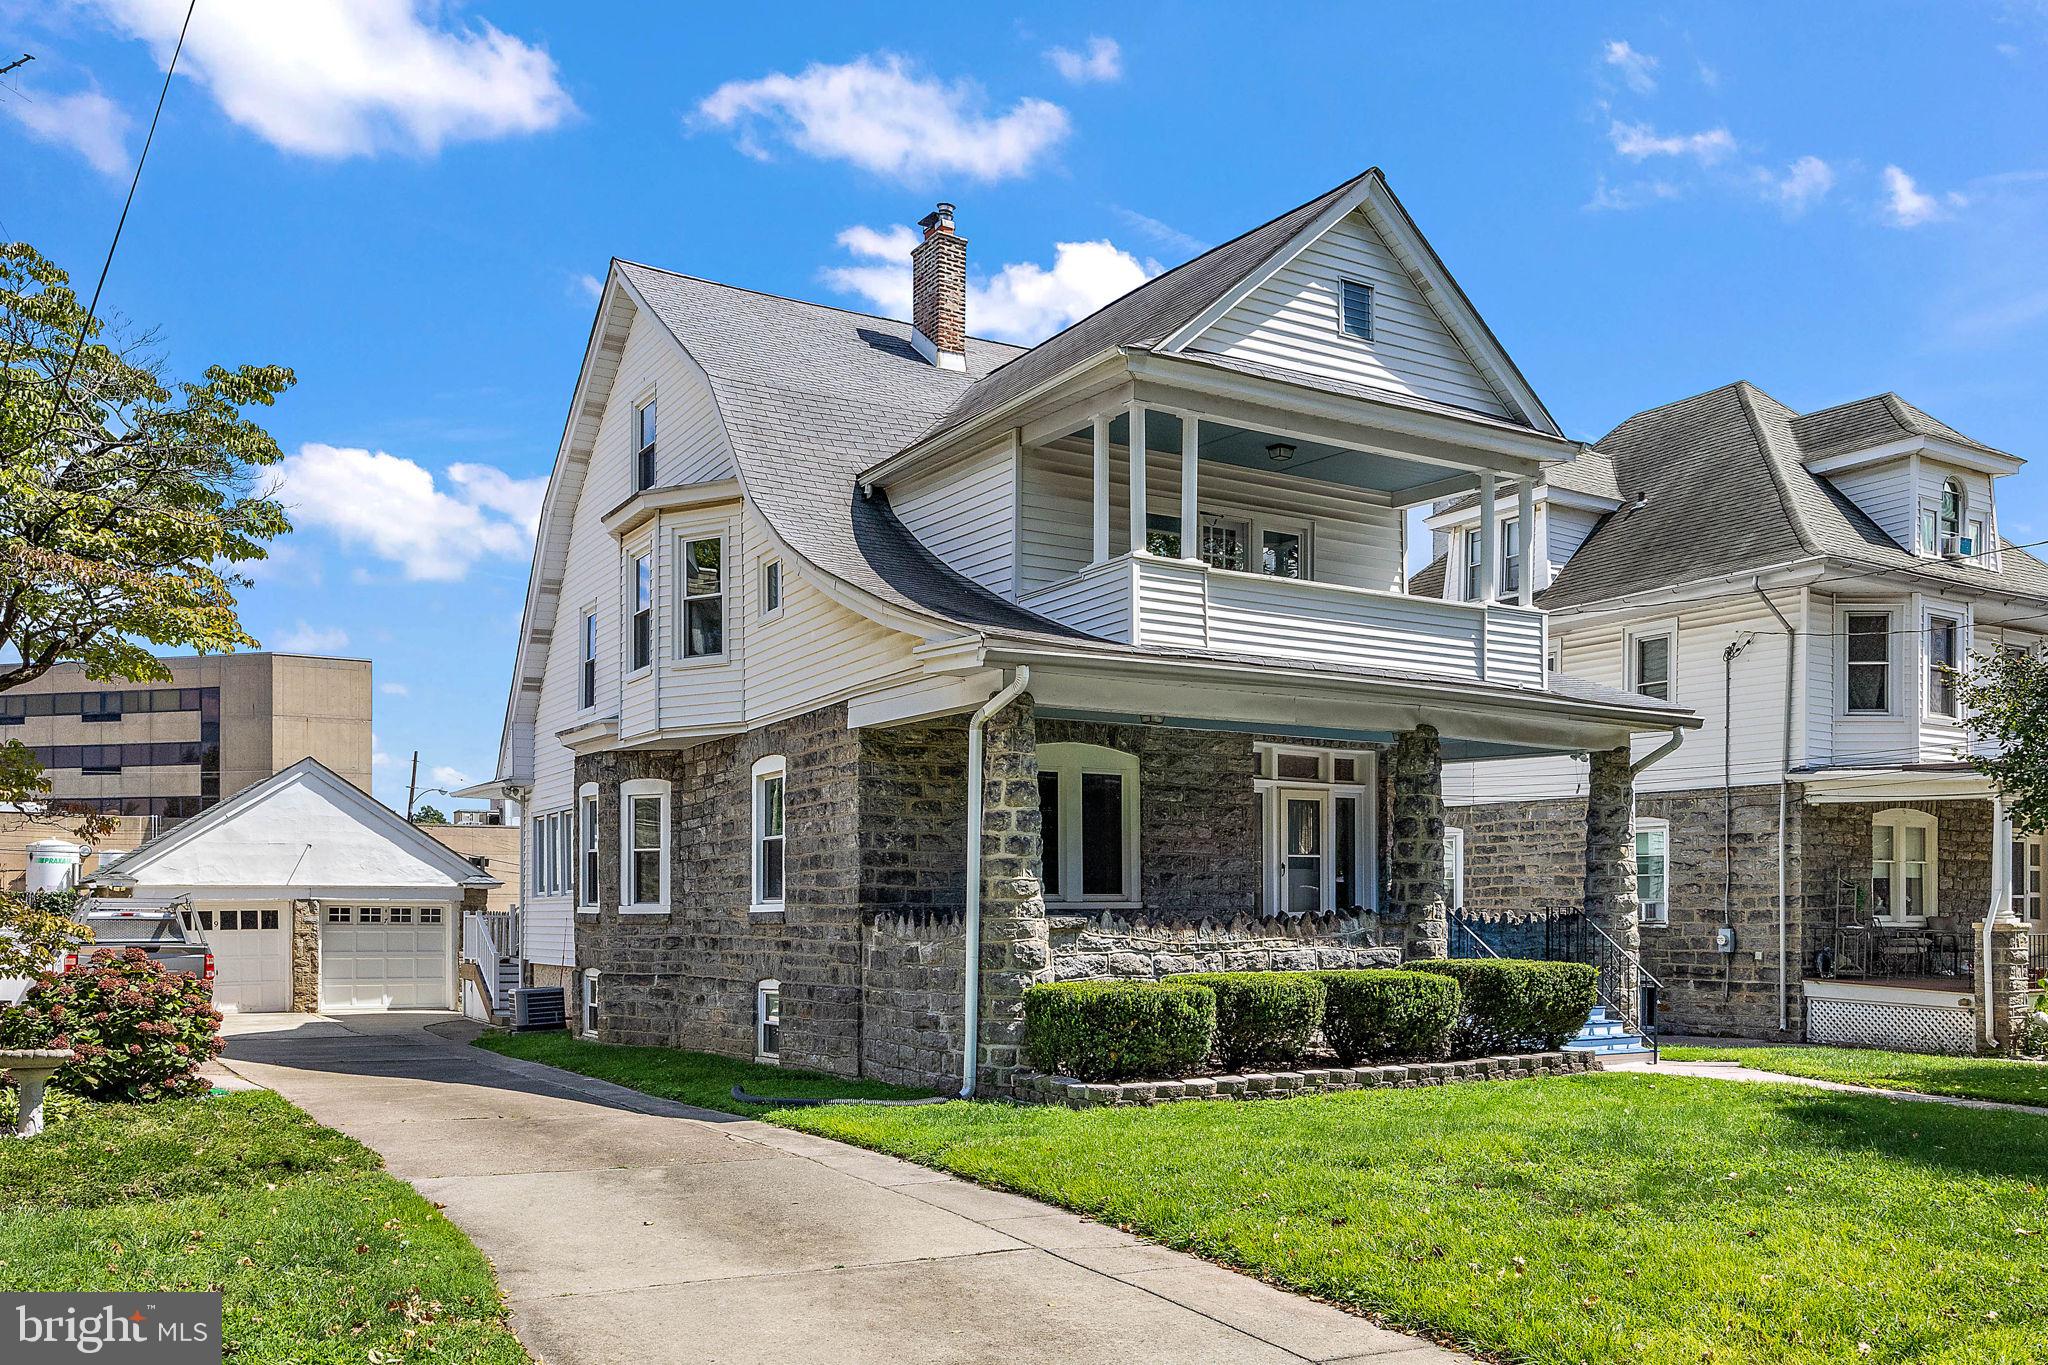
<point>1316,829</point>
<point>1649,664</point>
<point>643,455</point>
<point>1905,855</point>
<point>703,596</point>
<point>551,836</point>
<point>589,1004</point>
<point>1653,871</point>
<point>587,686</point>
<point>770,788</point>
<point>643,846</point>
<point>1475,553</point>
<point>1511,555</point>
<point>430,914</point>
<point>1951,516</point>
<point>337,914</point>
<point>586,845</point>
<point>1867,637</point>
<point>771,589</point>
<point>1454,868</point>
<point>1356,306</point>
<point>1088,808</point>
<point>768,1021</point>
<point>642,618</point>
<point>1944,654</point>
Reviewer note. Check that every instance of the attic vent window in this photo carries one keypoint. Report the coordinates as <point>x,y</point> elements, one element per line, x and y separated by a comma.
<point>1357,309</point>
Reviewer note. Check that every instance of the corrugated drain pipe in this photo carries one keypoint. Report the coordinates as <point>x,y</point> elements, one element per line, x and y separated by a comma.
<point>972,965</point>
<point>1784,792</point>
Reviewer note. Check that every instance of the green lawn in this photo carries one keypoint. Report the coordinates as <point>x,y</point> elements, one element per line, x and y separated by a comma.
<point>693,1077</point>
<point>1595,1218</point>
<point>320,1256</point>
<point>1976,1078</point>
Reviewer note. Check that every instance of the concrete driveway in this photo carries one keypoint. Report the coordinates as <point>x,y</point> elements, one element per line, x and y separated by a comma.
<point>628,1228</point>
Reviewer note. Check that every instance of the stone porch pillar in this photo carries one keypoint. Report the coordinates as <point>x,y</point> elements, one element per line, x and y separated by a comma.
<point>1611,866</point>
<point>1016,952</point>
<point>1415,848</point>
<point>305,929</point>
<point>2012,989</point>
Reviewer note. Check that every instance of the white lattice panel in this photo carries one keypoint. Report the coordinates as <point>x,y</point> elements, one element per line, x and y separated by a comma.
<point>1887,1024</point>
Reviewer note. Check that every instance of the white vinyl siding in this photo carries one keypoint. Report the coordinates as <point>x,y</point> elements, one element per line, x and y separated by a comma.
<point>1885,494</point>
<point>1293,320</point>
<point>966,514</point>
<point>1356,536</point>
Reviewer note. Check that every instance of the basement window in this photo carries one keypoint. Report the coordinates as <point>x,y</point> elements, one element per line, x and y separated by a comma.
<point>1357,309</point>
<point>768,1021</point>
<point>589,1004</point>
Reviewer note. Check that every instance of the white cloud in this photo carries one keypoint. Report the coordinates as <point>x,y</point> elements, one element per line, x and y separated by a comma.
<point>340,78</point>
<point>1022,301</point>
<point>1637,69</point>
<point>445,776</point>
<point>1805,183</point>
<point>85,121</point>
<point>883,115</point>
<point>1103,61</point>
<point>1637,141</point>
<point>1907,205</point>
<point>391,506</point>
<point>1166,234</point>
<point>585,285</point>
<point>305,639</point>
<point>394,689</point>
<point>1609,198</point>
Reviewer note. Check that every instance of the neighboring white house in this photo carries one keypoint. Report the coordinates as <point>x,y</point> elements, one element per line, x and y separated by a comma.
<point>788,552</point>
<point>313,895</point>
<point>1805,583</point>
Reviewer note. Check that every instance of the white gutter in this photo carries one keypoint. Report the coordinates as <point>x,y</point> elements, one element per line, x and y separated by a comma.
<point>972,965</point>
<point>1784,790</point>
<point>1677,738</point>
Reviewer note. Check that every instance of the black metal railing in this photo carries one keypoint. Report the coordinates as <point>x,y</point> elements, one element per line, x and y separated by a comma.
<point>1880,952</point>
<point>1627,989</point>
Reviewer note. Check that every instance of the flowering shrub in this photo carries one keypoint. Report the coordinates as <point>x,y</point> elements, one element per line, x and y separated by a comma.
<point>139,1029</point>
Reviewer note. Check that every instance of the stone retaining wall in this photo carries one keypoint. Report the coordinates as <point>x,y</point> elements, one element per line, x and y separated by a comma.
<point>1033,1087</point>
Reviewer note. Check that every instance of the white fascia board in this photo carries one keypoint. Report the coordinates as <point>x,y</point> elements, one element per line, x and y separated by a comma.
<point>1546,495</point>
<point>643,506</point>
<point>1790,574</point>
<point>1928,447</point>
<point>914,455</point>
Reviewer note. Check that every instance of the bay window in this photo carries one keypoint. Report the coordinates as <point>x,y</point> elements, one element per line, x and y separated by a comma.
<point>642,589</point>
<point>703,604</point>
<point>1869,649</point>
<point>1088,809</point>
<point>1944,636</point>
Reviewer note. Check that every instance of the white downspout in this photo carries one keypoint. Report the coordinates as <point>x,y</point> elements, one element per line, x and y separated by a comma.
<point>972,965</point>
<point>1784,787</point>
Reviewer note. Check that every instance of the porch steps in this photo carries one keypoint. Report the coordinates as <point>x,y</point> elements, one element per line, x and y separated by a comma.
<point>1606,1037</point>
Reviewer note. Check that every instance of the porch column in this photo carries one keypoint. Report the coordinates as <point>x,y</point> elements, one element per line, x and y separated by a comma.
<point>2004,985</point>
<point>1489,541</point>
<point>1137,476</point>
<point>1016,952</point>
<point>1415,847</point>
<point>305,943</point>
<point>1100,489</point>
<point>1611,869</point>
<point>1525,527</point>
<point>1190,457</point>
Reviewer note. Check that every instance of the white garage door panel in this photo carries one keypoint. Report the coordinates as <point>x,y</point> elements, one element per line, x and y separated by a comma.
<point>252,966</point>
<point>384,966</point>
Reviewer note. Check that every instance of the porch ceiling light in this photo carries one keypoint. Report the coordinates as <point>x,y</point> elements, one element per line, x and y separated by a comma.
<point>1280,452</point>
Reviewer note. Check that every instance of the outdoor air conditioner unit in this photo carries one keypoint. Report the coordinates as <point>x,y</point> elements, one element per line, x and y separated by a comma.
<point>538,1007</point>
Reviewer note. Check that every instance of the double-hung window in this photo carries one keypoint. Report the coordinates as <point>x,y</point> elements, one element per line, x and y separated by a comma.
<point>1454,868</point>
<point>771,782</point>
<point>642,653</point>
<point>1088,809</point>
<point>1867,637</point>
<point>589,1004</point>
<point>1653,864</point>
<point>768,1021</point>
<point>586,846</point>
<point>1944,651</point>
<point>643,453</point>
<point>1356,306</point>
<point>771,589</point>
<point>643,846</point>
<point>1475,554</point>
<point>1511,555</point>
<point>1904,859</point>
<point>1650,665</point>
<point>703,605</point>
<point>587,683</point>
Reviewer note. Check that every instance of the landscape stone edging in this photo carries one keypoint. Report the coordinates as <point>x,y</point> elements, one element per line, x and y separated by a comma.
<point>1035,1087</point>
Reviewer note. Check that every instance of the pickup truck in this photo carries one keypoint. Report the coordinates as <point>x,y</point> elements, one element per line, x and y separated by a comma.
<point>160,931</point>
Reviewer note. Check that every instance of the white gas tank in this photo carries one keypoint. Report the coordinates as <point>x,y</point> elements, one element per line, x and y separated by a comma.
<point>53,864</point>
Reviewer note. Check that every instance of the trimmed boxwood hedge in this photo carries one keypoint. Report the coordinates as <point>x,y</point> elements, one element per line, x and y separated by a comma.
<point>1381,1014</point>
<point>1262,1018</point>
<point>1512,1005</point>
<point>1119,1030</point>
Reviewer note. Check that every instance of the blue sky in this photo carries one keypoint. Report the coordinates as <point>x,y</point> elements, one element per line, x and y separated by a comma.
<point>409,203</point>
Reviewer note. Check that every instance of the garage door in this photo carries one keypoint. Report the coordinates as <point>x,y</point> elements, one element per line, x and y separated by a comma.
<point>252,957</point>
<point>385,957</point>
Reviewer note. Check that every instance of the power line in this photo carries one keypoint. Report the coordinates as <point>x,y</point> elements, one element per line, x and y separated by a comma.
<point>92,308</point>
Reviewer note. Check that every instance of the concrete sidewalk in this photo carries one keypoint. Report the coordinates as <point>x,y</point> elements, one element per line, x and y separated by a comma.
<point>632,1229</point>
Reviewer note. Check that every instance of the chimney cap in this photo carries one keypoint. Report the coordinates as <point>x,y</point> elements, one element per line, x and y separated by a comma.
<point>940,218</point>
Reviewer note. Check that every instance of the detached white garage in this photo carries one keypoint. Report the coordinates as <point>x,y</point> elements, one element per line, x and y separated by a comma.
<point>313,896</point>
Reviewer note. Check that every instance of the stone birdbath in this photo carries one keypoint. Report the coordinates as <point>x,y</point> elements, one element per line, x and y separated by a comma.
<point>31,1068</point>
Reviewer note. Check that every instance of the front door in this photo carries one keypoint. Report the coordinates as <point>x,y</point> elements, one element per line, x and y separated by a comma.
<point>2026,881</point>
<point>1302,854</point>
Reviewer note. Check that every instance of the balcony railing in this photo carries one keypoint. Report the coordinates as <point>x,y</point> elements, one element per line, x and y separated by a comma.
<point>1146,600</point>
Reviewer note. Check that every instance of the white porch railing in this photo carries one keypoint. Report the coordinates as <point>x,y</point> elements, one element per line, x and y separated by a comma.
<point>1145,600</point>
<point>491,940</point>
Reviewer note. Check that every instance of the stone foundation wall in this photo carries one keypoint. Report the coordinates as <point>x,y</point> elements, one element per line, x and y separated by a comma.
<point>1087,948</point>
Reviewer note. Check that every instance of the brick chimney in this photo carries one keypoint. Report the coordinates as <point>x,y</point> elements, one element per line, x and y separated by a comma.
<point>938,291</point>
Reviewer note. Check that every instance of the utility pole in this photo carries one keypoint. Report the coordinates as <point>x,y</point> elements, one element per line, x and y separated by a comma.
<point>412,787</point>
